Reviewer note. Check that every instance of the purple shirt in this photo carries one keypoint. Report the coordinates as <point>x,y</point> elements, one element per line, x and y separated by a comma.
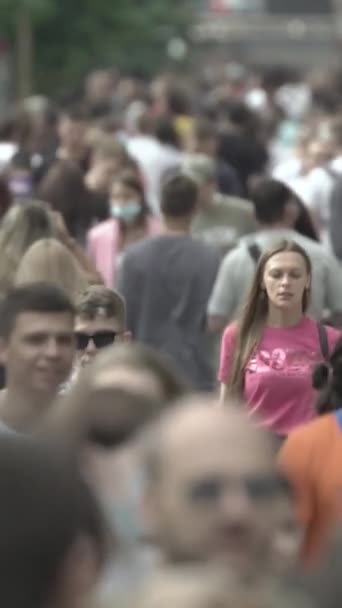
<point>277,381</point>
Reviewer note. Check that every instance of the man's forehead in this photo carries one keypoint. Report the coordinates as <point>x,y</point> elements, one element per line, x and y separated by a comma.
<point>97,321</point>
<point>215,441</point>
<point>33,320</point>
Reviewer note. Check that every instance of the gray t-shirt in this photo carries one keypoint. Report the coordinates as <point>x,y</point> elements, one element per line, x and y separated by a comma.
<point>237,270</point>
<point>166,282</point>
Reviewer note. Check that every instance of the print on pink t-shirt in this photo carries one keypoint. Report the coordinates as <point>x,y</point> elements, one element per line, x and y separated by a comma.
<point>277,385</point>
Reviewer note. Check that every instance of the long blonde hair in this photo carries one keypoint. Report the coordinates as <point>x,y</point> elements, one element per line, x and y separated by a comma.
<point>49,260</point>
<point>253,318</point>
<point>22,225</point>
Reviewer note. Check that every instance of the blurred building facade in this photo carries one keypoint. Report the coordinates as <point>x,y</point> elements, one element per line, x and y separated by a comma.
<point>300,32</point>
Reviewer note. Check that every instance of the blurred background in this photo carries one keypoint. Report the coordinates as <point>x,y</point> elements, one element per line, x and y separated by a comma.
<point>48,46</point>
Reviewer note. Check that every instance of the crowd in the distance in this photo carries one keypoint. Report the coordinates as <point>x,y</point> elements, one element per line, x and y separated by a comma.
<point>170,343</point>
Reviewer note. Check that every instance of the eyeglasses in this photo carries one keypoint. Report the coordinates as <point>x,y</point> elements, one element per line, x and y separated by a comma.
<point>210,490</point>
<point>101,339</point>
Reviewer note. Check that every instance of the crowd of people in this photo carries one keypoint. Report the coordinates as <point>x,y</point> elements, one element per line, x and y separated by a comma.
<point>170,342</point>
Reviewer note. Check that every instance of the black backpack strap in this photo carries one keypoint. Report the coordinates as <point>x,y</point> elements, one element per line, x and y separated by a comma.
<point>323,340</point>
<point>255,252</point>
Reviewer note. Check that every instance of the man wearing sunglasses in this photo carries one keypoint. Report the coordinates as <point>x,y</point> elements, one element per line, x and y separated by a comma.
<point>100,322</point>
<point>212,491</point>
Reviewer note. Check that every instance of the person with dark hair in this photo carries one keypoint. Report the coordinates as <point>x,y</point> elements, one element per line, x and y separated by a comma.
<point>130,221</point>
<point>71,132</point>
<point>37,349</point>
<point>53,541</point>
<point>42,140</point>
<point>20,175</point>
<point>173,275</point>
<point>312,460</point>
<point>6,199</point>
<point>64,189</point>
<point>203,140</point>
<point>153,147</point>
<point>240,143</point>
<point>166,133</point>
<point>176,102</point>
<point>279,215</point>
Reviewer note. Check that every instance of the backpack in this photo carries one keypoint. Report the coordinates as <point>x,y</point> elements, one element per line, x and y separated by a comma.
<point>255,253</point>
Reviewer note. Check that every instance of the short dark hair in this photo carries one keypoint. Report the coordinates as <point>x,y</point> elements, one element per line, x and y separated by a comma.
<point>76,113</point>
<point>166,132</point>
<point>204,129</point>
<point>98,300</point>
<point>179,196</point>
<point>45,507</point>
<point>270,198</point>
<point>178,99</point>
<point>42,298</point>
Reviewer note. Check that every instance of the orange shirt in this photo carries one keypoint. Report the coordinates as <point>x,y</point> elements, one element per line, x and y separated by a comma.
<point>311,458</point>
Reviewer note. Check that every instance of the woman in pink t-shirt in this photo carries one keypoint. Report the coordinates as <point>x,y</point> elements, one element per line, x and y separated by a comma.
<point>268,356</point>
<point>131,221</point>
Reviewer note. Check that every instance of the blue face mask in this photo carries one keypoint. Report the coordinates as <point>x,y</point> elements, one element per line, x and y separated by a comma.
<point>127,212</point>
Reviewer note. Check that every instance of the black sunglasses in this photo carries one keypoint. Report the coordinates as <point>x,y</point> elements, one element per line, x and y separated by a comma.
<point>101,339</point>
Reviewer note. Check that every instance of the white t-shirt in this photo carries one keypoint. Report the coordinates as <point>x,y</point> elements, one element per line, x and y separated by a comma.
<point>154,160</point>
<point>315,189</point>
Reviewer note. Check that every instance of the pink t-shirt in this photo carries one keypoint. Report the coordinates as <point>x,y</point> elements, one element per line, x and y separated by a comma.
<point>277,385</point>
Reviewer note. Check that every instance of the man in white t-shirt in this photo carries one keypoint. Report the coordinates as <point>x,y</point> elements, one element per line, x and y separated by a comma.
<point>154,159</point>
<point>316,187</point>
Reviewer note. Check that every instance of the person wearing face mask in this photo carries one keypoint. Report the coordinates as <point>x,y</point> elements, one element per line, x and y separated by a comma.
<point>130,222</point>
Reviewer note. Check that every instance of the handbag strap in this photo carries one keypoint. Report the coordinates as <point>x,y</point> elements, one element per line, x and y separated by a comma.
<point>323,340</point>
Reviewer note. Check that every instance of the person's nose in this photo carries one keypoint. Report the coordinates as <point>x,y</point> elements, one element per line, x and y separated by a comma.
<point>52,348</point>
<point>285,279</point>
<point>91,348</point>
<point>235,506</point>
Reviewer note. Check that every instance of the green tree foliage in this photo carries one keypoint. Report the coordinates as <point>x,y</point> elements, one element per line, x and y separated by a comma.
<point>73,36</point>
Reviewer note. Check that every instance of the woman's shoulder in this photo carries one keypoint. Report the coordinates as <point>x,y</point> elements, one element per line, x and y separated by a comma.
<point>333,333</point>
<point>230,332</point>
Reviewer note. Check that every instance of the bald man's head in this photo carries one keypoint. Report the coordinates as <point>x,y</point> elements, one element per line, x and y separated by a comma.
<point>196,421</point>
<point>212,481</point>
